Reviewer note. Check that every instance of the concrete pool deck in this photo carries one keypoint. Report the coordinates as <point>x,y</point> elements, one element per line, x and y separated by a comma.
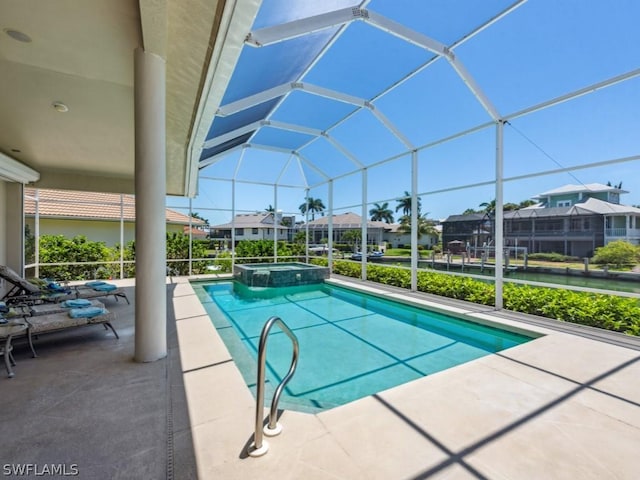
<point>560,406</point>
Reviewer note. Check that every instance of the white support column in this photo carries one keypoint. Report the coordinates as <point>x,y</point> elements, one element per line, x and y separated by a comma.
<point>121,236</point>
<point>363,231</point>
<point>414,221</point>
<point>233,224</point>
<point>12,242</point>
<point>499,237</point>
<point>36,234</point>
<point>330,226</point>
<point>150,186</point>
<point>306,226</point>
<point>190,238</point>
<point>275,224</point>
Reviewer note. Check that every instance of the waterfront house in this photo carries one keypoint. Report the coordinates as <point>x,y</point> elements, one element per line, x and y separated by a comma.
<point>571,220</point>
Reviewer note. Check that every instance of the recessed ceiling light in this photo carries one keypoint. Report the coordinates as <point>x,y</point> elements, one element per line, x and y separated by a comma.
<point>60,107</point>
<point>18,35</point>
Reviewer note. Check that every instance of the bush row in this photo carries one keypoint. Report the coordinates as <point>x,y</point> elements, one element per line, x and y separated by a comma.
<point>609,312</point>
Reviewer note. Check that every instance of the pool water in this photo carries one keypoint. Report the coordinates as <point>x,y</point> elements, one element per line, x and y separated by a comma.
<point>351,344</point>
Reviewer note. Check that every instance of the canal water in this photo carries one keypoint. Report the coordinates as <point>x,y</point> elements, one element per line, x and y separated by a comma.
<point>559,279</point>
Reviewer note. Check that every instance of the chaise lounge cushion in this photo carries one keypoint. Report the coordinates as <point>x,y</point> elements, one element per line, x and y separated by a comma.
<point>86,312</point>
<point>58,321</point>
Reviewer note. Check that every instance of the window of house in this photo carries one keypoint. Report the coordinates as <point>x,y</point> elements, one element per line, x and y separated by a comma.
<point>254,231</point>
<point>564,203</point>
<point>239,232</point>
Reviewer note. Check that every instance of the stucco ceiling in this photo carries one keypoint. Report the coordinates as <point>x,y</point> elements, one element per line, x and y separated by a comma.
<point>81,54</point>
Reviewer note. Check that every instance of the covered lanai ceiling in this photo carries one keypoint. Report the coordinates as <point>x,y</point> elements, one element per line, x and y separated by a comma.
<point>323,89</point>
<point>79,55</point>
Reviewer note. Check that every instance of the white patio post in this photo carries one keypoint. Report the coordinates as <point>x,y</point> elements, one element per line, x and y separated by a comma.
<point>150,185</point>
<point>36,234</point>
<point>499,237</point>
<point>414,220</point>
<point>330,226</point>
<point>121,236</point>
<point>190,238</point>
<point>306,225</point>
<point>14,228</point>
<point>275,223</point>
<point>233,224</point>
<point>363,226</point>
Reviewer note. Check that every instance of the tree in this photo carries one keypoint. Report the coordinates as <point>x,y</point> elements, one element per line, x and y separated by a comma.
<point>313,205</point>
<point>618,186</point>
<point>352,238</point>
<point>470,211</point>
<point>300,237</point>
<point>488,207</point>
<point>381,213</point>
<point>526,203</point>
<point>425,226</point>
<point>270,209</point>
<point>509,207</point>
<point>618,254</point>
<point>404,204</point>
<point>199,217</point>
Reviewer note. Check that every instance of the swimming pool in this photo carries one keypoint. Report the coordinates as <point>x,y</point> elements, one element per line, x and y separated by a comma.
<point>351,344</point>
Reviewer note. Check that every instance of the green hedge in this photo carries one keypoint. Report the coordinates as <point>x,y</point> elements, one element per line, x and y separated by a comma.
<point>619,314</point>
<point>553,257</point>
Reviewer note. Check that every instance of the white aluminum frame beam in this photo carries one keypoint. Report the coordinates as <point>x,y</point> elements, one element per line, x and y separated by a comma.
<point>255,99</point>
<point>213,159</point>
<point>214,142</point>
<point>343,150</point>
<point>239,164</point>
<point>284,169</point>
<point>390,126</point>
<point>312,166</point>
<point>291,127</point>
<point>331,94</point>
<point>304,26</point>
<point>297,28</point>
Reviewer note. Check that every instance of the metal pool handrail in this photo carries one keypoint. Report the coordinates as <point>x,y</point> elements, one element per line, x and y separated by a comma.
<point>259,446</point>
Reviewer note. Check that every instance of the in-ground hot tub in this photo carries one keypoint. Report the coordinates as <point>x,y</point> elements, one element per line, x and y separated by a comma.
<point>279,274</point>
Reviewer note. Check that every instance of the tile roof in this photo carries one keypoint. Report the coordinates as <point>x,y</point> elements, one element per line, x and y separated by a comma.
<point>90,206</point>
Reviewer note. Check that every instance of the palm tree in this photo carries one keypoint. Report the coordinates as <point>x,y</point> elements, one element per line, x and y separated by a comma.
<point>313,205</point>
<point>404,204</point>
<point>488,207</point>
<point>381,213</point>
<point>199,217</point>
<point>270,209</point>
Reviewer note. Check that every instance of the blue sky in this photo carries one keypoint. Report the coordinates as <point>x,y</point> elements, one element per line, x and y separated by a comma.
<point>542,50</point>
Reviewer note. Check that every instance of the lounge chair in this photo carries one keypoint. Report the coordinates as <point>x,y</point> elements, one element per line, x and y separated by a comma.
<point>23,291</point>
<point>46,318</point>
<point>31,293</point>
<point>97,289</point>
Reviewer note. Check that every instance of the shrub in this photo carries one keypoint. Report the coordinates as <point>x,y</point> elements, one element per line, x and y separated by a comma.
<point>59,249</point>
<point>609,312</point>
<point>553,257</point>
<point>618,254</point>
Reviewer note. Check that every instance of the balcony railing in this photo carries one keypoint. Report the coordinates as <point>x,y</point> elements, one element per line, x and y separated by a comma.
<point>623,232</point>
